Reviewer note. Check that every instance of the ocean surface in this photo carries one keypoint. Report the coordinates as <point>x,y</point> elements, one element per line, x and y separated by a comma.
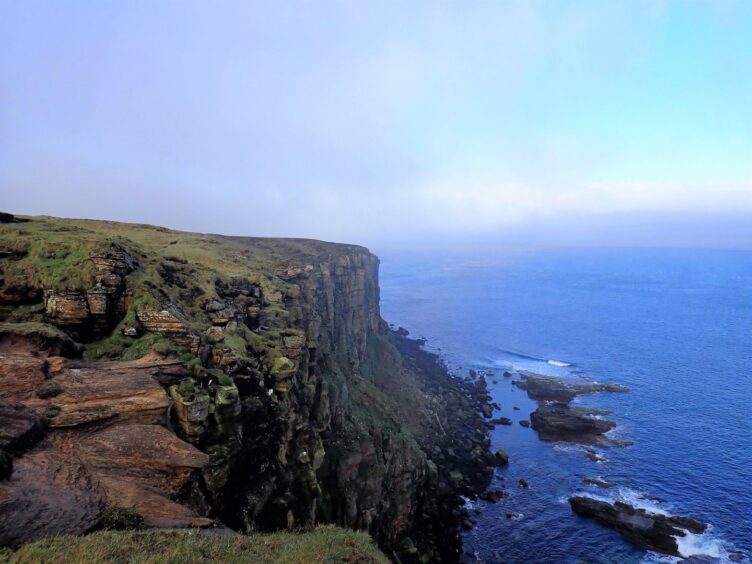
<point>673,325</point>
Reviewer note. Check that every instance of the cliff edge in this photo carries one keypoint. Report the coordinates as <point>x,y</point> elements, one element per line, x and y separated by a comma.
<point>207,381</point>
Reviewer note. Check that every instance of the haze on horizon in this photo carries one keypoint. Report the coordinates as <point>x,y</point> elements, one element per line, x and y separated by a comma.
<point>390,124</point>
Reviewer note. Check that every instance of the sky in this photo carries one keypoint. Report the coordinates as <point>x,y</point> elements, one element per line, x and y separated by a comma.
<point>386,123</point>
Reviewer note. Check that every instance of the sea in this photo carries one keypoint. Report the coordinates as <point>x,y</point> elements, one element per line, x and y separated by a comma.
<point>674,325</point>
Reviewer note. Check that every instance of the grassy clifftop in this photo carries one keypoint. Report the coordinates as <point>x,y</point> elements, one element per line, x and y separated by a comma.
<point>324,544</point>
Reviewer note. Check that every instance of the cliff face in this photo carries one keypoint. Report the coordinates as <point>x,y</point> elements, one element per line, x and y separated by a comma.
<point>205,379</point>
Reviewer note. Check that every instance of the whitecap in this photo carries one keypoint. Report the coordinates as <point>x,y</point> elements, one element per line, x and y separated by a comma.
<point>703,544</point>
<point>558,363</point>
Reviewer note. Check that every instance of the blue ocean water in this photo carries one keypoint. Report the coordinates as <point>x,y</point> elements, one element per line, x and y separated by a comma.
<point>673,325</point>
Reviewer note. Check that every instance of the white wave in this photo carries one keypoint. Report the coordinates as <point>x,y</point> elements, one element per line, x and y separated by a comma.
<point>703,544</point>
<point>631,497</point>
<point>558,363</point>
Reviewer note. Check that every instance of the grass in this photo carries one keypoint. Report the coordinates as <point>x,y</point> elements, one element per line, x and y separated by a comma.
<point>320,545</point>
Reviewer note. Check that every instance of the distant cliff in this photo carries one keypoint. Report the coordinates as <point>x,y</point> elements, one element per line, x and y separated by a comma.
<point>206,380</point>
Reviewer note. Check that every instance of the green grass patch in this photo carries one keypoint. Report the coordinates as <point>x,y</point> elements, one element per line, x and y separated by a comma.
<point>320,545</point>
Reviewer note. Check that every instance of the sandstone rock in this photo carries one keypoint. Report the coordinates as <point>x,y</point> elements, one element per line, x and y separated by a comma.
<point>20,427</point>
<point>596,482</point>
<point>106,446</point>
<point>20,375</point>
<point>67,308</point>
<point>166,324</point>
<point>192,412</point>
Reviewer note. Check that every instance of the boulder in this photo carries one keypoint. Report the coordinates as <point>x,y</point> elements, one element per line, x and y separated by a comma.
<point>502,457</point>
<point>561,422</point>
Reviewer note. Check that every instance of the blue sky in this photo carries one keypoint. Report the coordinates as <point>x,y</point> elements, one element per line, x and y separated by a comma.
<point>384,122</point>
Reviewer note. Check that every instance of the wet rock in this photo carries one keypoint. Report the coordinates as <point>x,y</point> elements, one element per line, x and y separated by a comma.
<point>516,408</point>
<point>561,422</point>
<point>502,457</point>
<point>523,483</point>
<point>501,421</point>
<point>650,531</point>
<point>549,388</point>
<point>507,374</point>
<point>597,482</point>
<point>524,422</point>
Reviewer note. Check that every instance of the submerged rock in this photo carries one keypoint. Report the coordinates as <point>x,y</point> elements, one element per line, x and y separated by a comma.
<point>597,482</point>
<point>501,421</point>
<point>651,531</point>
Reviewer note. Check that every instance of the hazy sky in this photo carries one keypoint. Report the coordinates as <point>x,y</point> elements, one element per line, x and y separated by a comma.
<point>377,122</point>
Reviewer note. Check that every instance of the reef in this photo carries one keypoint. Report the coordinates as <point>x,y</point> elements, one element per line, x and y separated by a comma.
<point>557,421</point>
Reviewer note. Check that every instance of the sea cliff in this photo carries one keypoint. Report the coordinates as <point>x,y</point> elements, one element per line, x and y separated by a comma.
<point>211,381</point>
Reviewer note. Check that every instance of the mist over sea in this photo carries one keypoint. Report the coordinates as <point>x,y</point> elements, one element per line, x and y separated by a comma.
<point>673,325</point>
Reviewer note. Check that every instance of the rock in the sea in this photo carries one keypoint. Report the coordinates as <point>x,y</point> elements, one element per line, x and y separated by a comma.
<point>502,456</point>
<point>651,531</point>
<point>524,484</point>
<point>561,422</point>
<point>549,388</point>
<point>524,422</point>
<point>492,496</point>
<point>501,421</point>
<point>597,482</point>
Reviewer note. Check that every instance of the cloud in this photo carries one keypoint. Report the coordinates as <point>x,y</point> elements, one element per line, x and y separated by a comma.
<point>373,121</point>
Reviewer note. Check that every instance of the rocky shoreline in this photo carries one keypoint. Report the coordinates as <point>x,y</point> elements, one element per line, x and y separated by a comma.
<point>459,445</point>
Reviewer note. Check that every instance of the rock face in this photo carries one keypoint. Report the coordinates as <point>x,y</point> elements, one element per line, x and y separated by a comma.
<point>252,380</point>
<point>647,530</point>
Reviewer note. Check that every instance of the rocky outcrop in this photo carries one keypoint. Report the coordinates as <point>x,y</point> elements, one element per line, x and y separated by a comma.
<point>651,531</point>
<point>555,420</point>
<point>549,388</point>
<point>99,441</point>
<point>168,325</point>
<point>90,313</point>
<point>562,422</point>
